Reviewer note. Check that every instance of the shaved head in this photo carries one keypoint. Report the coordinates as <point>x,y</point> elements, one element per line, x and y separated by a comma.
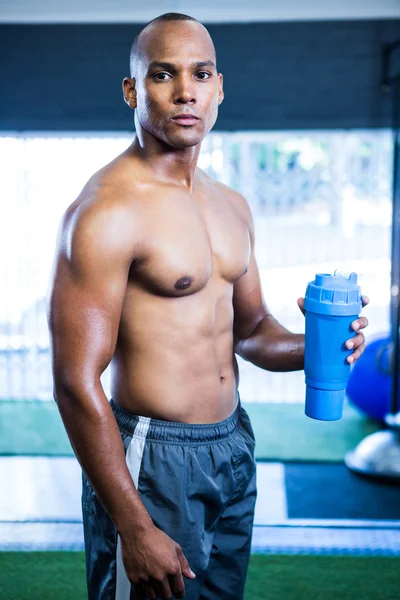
<point>173,73</point>
<point>137,46</point>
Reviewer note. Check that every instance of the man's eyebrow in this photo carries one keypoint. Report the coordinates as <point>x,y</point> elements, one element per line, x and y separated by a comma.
<point>171,67</point>
<point>205,63</point>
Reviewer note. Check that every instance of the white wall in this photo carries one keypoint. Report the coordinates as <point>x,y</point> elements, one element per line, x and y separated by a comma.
<point>123,11</point>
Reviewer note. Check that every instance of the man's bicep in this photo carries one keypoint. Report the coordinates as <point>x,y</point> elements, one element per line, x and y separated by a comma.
<point>85,301</point>
<point>82,330</point>
<point>249,306</point>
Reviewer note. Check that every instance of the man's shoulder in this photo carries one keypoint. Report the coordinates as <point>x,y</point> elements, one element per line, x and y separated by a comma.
<point>107,209</point>
<point>233,196</point>
<point>98,207</point>
<point>110,193</point>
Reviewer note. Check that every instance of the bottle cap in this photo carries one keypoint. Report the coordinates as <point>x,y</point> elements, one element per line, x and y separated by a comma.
<point>336,294</point>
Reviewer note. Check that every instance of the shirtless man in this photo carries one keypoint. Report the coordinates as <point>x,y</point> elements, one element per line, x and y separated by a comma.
<point>155,273</point>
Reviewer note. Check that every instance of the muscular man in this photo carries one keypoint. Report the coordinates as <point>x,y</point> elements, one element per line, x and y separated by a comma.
<point>155,273</point>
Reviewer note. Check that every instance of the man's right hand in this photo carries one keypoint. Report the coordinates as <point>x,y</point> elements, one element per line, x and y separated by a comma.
<point>155,562</point>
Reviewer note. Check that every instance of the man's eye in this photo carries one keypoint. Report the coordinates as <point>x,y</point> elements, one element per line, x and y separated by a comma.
<point>203,75</point>
<point>161,76</point>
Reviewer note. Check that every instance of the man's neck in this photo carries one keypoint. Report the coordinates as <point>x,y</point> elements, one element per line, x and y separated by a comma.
<point>175,165</point>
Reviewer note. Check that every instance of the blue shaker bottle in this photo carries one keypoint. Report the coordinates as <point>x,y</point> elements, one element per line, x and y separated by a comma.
<point>331,303</point>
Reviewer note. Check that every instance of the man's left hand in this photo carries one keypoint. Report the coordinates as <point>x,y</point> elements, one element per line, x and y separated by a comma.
<point>358,341</point>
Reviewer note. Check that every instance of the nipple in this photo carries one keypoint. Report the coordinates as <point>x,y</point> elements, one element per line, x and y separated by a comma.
<point>183,283</point>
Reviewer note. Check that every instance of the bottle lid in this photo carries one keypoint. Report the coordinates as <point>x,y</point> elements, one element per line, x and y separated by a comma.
<point>336,294</point>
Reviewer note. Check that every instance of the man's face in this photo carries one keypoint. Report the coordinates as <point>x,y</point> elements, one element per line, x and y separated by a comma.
<point>176,75</point>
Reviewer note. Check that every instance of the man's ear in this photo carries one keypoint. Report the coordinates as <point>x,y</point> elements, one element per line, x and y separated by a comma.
<point>221,94</point>
<point>129,91</point>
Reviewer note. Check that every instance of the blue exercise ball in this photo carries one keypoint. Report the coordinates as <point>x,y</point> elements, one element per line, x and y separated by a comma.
<point>369,385</point>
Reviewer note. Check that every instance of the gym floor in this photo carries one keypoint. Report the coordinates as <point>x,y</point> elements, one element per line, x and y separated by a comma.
<point>302,508</point>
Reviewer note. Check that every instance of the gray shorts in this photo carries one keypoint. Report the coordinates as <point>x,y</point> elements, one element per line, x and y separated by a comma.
<point>198,483</point>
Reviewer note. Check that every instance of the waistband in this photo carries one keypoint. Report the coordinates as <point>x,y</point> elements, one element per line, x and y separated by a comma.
<point>174,431</point>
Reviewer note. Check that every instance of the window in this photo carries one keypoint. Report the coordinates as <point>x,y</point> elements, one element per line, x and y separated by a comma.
<point>320,201</point>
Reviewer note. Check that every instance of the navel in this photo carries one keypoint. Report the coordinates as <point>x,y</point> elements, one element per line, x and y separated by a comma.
<point>183,283</point>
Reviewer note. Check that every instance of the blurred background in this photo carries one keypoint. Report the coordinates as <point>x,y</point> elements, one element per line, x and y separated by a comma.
<point>320,199</point>
<point>306,134</point>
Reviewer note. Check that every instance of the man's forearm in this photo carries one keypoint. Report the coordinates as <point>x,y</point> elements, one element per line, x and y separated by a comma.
<point>272,347</point>
<point>96,441</point>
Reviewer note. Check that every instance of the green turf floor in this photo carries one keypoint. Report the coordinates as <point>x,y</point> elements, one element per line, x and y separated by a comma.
<point>61,576</point>
<point>283,432</point>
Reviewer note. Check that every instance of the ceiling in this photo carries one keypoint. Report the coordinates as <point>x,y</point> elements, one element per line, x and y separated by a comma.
<point>207,11</point>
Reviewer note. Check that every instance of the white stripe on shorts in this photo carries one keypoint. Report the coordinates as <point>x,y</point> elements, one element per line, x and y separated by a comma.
<point>134,455</point>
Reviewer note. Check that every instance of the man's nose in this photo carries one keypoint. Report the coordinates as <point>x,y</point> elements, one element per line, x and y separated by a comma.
<point>184,91</point>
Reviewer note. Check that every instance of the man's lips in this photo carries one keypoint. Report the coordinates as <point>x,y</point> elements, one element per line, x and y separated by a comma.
<point>185,119</point>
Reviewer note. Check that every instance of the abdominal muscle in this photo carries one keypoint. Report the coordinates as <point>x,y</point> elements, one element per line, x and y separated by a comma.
<point>174,358</point>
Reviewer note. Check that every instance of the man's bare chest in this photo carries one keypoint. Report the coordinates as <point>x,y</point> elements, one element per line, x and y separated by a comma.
<point>190,242</point>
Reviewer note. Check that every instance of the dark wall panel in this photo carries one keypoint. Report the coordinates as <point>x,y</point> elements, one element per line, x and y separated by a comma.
<point>277,75</point>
